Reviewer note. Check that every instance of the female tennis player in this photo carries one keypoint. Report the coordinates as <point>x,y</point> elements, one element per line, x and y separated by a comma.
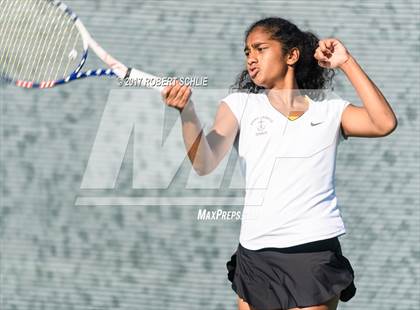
<point>288,256</point>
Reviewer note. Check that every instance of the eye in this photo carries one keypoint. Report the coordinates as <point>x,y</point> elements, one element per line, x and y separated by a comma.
<point>260,49</point>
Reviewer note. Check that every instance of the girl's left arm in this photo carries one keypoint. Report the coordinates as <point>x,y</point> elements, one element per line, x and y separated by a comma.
<point>376,117</point>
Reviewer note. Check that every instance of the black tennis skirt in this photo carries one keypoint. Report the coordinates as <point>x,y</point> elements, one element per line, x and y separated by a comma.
<point>300,276</point>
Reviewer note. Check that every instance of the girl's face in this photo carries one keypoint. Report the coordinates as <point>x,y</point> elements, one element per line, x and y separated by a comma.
<point>266,63</point>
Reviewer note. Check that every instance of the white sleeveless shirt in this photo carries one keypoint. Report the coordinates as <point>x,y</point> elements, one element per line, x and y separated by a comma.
<point>289,171</point>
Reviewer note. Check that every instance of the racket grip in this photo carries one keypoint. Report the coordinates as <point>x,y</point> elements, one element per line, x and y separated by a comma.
<point>145,79</point>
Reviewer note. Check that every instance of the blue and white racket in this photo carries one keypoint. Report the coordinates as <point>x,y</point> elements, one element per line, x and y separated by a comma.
<point>44,44</point>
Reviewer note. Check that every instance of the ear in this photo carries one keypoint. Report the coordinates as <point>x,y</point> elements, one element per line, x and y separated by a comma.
<point>293,56</point>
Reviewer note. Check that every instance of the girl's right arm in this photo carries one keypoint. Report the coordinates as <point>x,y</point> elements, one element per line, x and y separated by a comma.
<point>204,151</point>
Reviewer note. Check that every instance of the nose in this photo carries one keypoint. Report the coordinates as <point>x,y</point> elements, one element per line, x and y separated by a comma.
<point>251,59</point>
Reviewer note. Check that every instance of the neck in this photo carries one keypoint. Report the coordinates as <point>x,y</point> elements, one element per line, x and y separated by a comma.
<point>285,92</point>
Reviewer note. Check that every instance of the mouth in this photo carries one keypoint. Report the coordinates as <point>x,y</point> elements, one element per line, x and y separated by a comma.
<point>253,72</point>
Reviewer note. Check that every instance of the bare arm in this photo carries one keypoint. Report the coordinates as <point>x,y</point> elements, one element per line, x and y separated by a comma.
<point>204,151</point>
<point>376,117</point>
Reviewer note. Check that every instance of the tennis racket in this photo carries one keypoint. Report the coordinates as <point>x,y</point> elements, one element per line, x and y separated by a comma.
<point>44,44</point>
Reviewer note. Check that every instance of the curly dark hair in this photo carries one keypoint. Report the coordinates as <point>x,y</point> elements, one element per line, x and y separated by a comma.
<point>310,77</point>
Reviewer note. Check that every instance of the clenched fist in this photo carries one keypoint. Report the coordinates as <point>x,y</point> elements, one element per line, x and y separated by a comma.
<point>331,53</point>
<point>176,95</point>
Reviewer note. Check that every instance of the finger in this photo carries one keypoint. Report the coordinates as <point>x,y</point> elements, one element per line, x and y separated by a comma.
<point>180,94</point>
<point>174,92</point>
<point>166,91</point>
<point>331,43</point>
<point>324,45</point>
<point>319,55</point>
<point>324,64</point>
<point>185,99</point>
<point>331,46</point>
<point>187,94</point>
<point>328,42</point>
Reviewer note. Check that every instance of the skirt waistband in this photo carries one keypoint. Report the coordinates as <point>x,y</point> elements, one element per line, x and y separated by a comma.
<point>331,244</point>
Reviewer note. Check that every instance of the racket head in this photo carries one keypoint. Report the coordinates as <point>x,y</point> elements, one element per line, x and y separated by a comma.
<point>42,43</point>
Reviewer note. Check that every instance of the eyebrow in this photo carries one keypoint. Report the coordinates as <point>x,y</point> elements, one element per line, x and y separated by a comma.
<point>255,45</point>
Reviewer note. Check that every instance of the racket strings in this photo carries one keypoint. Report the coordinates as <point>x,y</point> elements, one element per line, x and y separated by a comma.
<point>59,41</point>
<point>41,40</point>
<point>5,26</point>
<point>38,41</point>
<point>52,24</point>
<point>16,67</point>
<point>10,32</point>
<point>76,38</point>
<point>29,49</point>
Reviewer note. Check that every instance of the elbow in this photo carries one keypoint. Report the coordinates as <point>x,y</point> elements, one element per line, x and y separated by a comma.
<point>389,127</point>
<point>202,171</point>
<point>204,166</point>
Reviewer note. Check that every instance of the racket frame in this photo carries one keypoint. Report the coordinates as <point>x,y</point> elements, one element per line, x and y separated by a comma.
<point>115,67</point>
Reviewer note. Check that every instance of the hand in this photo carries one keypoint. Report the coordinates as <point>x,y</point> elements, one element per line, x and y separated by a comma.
<point>176,95</point>
<point>331,53</point>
